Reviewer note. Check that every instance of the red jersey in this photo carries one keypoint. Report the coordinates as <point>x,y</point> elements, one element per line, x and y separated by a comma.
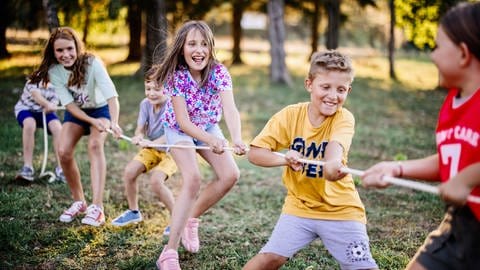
<point>458,139</point>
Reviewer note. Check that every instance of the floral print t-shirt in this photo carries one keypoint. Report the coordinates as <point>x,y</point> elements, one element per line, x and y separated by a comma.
<point>204,104</point>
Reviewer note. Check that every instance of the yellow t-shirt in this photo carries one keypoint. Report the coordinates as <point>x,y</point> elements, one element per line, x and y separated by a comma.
<point>309,195</point>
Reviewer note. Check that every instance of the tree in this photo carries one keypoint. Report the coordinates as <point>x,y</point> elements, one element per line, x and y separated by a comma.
<point>86,24</point>
<point>391,42</point>
<point>238,7</point>
<point>419,19</point>
<point>276,35</point>
<point>6,18</point>
<point>156,34</point>
<point>314,26</point>
<point>51,14</point>
<point>333,28</point>
<point>134,21</point>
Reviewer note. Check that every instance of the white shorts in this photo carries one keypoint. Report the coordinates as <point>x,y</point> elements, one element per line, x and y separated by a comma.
<point>174,136</point>
<point>347,241</point>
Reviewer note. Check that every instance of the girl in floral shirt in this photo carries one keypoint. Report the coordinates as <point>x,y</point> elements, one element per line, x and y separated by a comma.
<point>200,89</point>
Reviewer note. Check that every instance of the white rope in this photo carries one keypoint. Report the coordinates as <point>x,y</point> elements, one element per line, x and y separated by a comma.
<point>44,173</point>
<point>184,146</point>
<point>392,180</point>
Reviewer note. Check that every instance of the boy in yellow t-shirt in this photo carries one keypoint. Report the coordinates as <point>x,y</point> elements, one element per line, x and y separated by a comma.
<point>321,201</point>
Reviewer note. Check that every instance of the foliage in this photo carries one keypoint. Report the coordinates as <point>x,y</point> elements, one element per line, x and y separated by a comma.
<point>391,118</point>
<point>419,19</point>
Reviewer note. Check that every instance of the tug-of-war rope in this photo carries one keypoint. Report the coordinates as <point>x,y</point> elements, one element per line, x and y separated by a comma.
<point>43,173</point>
<point>392,180</point>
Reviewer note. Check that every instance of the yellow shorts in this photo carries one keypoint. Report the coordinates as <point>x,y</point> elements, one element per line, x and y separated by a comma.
<point>153,159</point>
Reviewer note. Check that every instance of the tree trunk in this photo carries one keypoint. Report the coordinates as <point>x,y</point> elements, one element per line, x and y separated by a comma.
<point>391,42</point>
<point>276,35</point>
<point>3,41</point>
<point>237,31</point>
<point>333,11</point>
<point>156,34</point>
<point>314,26</point>
<point>51,14</point>
<point>86,25</point>
<point>134,21</point>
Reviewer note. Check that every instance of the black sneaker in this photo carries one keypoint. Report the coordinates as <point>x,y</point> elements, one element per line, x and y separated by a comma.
<point>25,173</point>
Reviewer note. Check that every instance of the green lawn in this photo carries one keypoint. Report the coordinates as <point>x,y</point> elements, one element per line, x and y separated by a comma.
<point>393,120</point>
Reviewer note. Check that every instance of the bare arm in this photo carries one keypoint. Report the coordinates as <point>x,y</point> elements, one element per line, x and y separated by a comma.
<point>232,118</point>
<point>265,157</point>
<point>457,188</point>
<point>139,134</point>
<point>183,120</point>
<point>114,108</point>
<point>333,161</point>
<point>424,169</point>
<point>38,98</point>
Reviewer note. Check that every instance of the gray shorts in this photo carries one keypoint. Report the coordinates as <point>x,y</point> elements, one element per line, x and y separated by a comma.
<point>347,241</point>
<point>174,136</point>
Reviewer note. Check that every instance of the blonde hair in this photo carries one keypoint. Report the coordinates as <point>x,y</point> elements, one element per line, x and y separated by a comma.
<point>330,61</point>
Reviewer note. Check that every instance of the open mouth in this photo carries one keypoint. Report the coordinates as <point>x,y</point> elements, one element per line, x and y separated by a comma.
<point>198,59</point>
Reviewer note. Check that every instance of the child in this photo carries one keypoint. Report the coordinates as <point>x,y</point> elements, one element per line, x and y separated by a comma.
<point>321,202</point>
<point>157,161</point>
<point>36,97</point>
<point>86,90</point>
<point>456,242</point>
<point>200,87</point>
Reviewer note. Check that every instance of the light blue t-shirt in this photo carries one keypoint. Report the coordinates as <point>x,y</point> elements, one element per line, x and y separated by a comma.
<point>151,120</point>
<point>94,93</point>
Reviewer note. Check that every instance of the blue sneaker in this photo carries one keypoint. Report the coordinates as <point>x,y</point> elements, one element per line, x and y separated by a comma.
<point>127,217</point>
<point>25,173</point>
<point>166,232</point>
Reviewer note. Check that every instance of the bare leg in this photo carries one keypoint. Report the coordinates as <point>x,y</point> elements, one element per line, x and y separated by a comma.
<point>163,193</point>
<point>414,265</point>
<point>227,172</point>
<point>55,128</point>
<point>98,164</point>
<point>265,261</point>
<point>132,171</point>
<point>69,137</point>
<point>28,140</point>
<point>187,163</point>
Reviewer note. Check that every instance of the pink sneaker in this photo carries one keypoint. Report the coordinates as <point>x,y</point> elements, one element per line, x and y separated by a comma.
<point>190,235</point>
<point>94,217</point>
<point>168,260</point>
<point>78,207</point>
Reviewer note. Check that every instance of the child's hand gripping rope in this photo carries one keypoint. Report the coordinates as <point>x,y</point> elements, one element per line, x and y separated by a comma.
<point>389,179</point>
<point>167,146</point>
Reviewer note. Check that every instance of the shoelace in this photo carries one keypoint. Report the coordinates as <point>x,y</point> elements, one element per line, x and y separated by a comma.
<point>124,216</point>
<point>74,208</point>
<point>192,230</point>
<point>94,213</point>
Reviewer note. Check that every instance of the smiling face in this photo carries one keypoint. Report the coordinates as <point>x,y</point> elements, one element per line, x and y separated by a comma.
<point>328,91</point>
<point>196,53</point>
<point>65,52</point>
<point>154,93</point>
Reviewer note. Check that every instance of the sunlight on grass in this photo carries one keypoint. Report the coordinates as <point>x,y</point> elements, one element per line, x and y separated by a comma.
<point>123,69</point>
<point>26,61</point>
<point>417,75</point>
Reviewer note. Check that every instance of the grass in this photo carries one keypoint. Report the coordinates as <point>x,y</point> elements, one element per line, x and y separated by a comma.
<point>393,119</point>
